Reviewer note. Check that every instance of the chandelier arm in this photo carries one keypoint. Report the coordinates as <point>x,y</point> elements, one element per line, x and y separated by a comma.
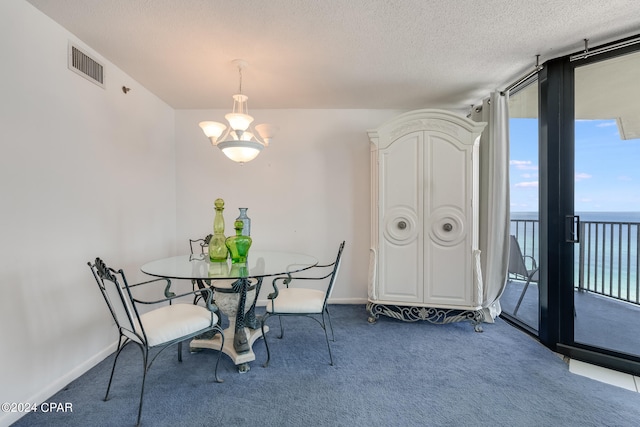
<point>257,136</point>
<point>224,135</point>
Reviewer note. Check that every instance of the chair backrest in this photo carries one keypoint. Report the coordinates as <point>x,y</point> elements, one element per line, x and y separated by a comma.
<point>516,260</point>
<point>199,247</point>
<point>118,298</point>
<point>334,274</point>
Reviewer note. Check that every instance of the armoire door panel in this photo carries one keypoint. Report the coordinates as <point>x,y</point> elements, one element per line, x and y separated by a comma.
<point>400,228</point>
<point>447,275</point>
<point>447,203</point>
<point>400,166</point>
<point>446,180</point>
<point>401,276</point>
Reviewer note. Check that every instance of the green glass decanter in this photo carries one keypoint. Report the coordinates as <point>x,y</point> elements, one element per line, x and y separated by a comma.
<point>238,245</point>
<point>217,247</point>
<point>239,271</point>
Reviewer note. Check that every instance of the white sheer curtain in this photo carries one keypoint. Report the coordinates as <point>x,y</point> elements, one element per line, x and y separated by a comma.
<point>494,199</point>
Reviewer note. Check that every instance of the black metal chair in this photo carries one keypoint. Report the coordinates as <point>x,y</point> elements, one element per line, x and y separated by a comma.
<point>303,301</point>
<point>199,250</point>
<point>199,247</point>
<point>159,328</point>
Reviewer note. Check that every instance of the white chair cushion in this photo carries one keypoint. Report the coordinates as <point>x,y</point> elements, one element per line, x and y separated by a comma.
<point>297,300</point>
<point>174,321</point>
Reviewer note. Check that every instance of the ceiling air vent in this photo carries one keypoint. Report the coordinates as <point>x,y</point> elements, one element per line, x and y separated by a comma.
<point>84,65</point>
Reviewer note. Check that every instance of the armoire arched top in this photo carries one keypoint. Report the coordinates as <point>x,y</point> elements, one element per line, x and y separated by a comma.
<point>458,127</point>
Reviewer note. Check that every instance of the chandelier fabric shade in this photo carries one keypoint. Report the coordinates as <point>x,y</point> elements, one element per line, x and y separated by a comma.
<point>238,141</point>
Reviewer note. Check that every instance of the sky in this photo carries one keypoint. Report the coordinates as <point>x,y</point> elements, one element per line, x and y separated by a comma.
<point>607,171</point>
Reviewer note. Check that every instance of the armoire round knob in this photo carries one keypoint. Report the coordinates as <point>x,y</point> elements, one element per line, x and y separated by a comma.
<point>402,225</point>
<point>447,227</point>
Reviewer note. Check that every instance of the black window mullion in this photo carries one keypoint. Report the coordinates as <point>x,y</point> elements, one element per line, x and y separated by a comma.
<point>556,145</point>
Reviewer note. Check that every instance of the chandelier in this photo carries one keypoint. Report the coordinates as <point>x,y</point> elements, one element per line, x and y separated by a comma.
<point>240,142</point>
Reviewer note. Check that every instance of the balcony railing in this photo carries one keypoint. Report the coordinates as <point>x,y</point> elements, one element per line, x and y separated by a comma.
<point>607,258</point>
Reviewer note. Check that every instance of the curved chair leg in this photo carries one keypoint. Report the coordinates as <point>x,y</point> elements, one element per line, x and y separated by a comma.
<point>281,328</point>
<point>218,379</point>
<point>333,337</point>
<point>264,337</point>
<point>524,291</point>
<point>180,352</point>
<point>145,357</point>
<point>326,336</point>
<point>121,345</point>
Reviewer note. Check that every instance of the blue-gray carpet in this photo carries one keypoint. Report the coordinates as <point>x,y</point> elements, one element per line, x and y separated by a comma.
<point>387,374</point>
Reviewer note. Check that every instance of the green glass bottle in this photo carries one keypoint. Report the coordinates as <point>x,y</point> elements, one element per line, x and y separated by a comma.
<point>238,245</point>
<point>239,270</point>
<point>217,247</point>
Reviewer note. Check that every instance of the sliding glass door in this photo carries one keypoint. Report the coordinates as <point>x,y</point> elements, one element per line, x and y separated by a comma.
<point>575,206</point>
<point>589,189</point>
<point>607,200</point>
<point>520,298</point>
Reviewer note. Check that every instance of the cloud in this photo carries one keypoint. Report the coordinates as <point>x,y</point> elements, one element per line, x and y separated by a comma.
<point>523,165</point>
<point>625,178</point>
<point>607,124</point>
<point>581,176</point>
<point>529,184</point>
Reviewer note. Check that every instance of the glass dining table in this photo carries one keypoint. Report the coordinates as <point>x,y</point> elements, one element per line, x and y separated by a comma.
<point>236,288</point>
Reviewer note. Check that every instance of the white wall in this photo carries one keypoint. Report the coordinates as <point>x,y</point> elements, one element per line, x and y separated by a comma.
<point>306,192</point>
<point>84,172</point>
<point>87,172</point>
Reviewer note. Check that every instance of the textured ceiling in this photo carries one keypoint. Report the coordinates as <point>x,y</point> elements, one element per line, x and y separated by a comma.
<point>400,54</point>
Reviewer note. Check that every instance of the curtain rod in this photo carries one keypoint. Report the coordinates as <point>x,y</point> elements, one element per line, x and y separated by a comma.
<point>587,53</point>
<point>512,85</point>
<point>524,78</point>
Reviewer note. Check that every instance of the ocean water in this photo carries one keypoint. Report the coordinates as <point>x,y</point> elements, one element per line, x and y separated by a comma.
<point>606,259</point>
<point>589,216</point>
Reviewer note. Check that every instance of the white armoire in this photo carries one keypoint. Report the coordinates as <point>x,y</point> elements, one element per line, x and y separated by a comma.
<point>425,262</point>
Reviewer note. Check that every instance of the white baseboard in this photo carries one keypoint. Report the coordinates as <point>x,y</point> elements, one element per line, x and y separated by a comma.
<point>8,418</point>
<point>352,301</point>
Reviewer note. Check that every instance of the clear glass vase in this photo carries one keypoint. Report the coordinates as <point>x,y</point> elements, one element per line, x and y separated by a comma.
<point>246,221</point>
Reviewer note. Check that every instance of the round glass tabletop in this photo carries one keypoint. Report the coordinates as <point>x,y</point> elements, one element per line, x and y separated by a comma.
<point>259,264</point>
